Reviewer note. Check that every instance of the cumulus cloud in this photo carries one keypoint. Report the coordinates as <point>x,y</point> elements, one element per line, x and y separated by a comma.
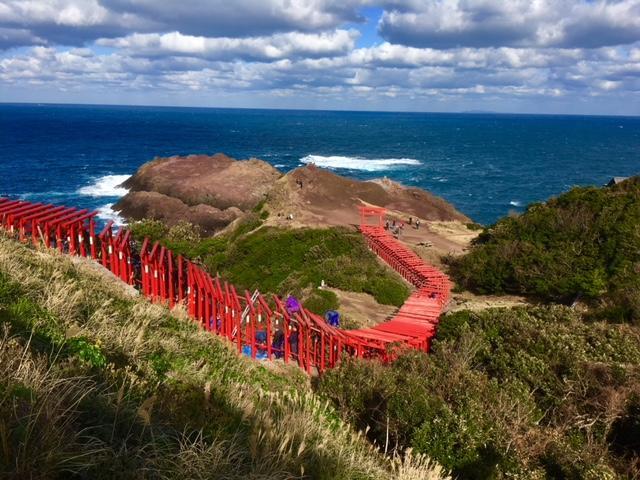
<point>449,50</point>
<point>490,23</point>
<point>74,22</point>
<point>10,37</point>
<point>292,44</point>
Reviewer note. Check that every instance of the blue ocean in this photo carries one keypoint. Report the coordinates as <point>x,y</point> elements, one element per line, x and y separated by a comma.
<point>485,164</point>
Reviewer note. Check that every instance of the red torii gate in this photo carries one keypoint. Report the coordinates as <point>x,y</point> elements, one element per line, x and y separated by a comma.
<point>368,212</point>
<point>256,325</point>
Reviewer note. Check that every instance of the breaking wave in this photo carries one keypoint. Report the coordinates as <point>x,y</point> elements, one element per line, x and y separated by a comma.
<point>359,163</point>
<point>107,186</point>
<point>107,214</point>
<point>515,203</point>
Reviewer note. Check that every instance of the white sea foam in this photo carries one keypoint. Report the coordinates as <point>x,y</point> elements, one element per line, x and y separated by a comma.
<point>359,163</point>
<point>107,214</point>
<point>515,203</point>
<point>107,186</point>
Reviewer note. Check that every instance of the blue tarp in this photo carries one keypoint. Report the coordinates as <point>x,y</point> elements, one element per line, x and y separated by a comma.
<point>260,354</point>
<point>333,318</point>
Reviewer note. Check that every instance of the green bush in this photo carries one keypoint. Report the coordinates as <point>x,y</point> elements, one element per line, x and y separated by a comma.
<point>154,229</point>
<point>584,244</point>
<point>506,393</point>
<point>281,260</point>
<point>87,352</point>
<point>320,301</point>
<point>284,261</point>
<point>184,231</point>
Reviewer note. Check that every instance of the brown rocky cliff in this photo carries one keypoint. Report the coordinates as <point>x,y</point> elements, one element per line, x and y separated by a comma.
<point>209,191</point>
<point>312,192</point>
<point>219,181</point>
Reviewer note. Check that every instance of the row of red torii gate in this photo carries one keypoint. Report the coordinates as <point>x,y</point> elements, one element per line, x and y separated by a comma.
<point>258,326</point>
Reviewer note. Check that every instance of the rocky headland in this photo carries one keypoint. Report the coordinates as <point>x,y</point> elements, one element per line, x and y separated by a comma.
<point>208,191</point>
<point>213,191</point>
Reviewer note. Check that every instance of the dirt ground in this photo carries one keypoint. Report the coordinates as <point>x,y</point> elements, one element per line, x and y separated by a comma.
<point>360,310</point>
<point>469,301</point>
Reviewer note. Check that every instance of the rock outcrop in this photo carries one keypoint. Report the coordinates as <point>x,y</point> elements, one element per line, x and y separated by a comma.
<point>213,191</point>
<point>139,205</point>
<point>318,196</point>
<point>210,191</point>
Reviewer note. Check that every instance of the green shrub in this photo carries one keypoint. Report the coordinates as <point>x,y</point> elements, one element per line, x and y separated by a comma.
<point>506,393</point>
<point>154,229</point>
<point>284,261</point>
<point>280,260</point>
<point>584,244</point>
<point>386,290</point>
<point>184,231</point>
<point>474,226</point>
<point>319,301</point>
<point>87,352</point>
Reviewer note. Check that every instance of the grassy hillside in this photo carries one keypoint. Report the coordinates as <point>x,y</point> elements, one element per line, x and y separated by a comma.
<point>287,261</point>
<point>507,393</point>
<point>583,244</point>
<point>96,383</point>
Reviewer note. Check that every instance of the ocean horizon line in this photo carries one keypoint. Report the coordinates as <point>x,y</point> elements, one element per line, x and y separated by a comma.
<point>316,110</point>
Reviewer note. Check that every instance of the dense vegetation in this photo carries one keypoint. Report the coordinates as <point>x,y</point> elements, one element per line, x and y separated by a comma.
<point>583,244</point>
<point>97,383</point>
<point>287,261</point>
<point>522,393</point>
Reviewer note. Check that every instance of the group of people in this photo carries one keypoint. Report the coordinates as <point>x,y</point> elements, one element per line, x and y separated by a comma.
<point>293,306</point>
<point>396,227</point>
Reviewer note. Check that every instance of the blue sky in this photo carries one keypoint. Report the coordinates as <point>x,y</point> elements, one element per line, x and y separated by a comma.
<point>542,56</point>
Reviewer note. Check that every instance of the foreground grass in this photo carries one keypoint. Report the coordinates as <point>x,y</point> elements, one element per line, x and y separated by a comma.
<point>285,261</point>
<point>507,393</point>
<point>97,384</point>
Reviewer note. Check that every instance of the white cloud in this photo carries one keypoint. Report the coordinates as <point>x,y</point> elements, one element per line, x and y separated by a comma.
<point>452,50</point>
<point>265,48</point>
<point>493,23</point>
<point>74,22</point>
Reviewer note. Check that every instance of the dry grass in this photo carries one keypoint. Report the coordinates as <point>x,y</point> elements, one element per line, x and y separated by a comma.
<point>178,402</point>
<point>38,409</point>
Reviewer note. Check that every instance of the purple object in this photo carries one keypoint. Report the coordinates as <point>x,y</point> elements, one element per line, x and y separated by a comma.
<point>292,304</point>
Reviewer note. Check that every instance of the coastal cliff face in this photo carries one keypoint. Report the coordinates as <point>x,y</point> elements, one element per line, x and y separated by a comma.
<point>213,191</point>
<point>209,191</point>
